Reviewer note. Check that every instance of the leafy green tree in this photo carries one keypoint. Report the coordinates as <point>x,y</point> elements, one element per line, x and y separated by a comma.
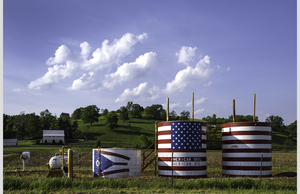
<point>20,124</point>
<point>76,115</point>
<point>292,129</point>
<point>64,123</point>
<point>111,120</point>
<point>90,114</point>
<point>123,113</point>
<point>105,112</point>
<point>33,126</point>
<point>129,109</point>
<point>48,121</point>
<point>154,111</point>
<point>137,111</point>
<point>173,116</point>
<point>8,126</point>
<point>276,123</point>
<point>184,115</point>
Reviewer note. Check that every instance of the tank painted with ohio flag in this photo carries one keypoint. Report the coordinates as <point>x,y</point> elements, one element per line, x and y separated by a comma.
<point>187,141</point>
<point>116,163</point>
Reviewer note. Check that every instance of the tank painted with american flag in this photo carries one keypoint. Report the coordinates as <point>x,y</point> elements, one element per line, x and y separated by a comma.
<point>187,141</point>
<point>116,163</point>
<point>246,147</point>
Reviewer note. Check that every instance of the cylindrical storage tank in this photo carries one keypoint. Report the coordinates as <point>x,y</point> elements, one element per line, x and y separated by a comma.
<point>56,162</point>
<point>187,141</point>
<point>247,149</point>
<point>116,163</point>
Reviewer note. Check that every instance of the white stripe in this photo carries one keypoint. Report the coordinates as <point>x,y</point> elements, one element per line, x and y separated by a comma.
<point>164,128</point>
<point>229,163</point>
<point>182,163</point>
<point>164,145</point>
<point>246,155</point>
<point>247,137</point>
<point>182,173</point>
<point>248,128</point>
<point>204,137</point>
<point>245,146</point>
<point>182,154</point>
<point>164,137</point>
<point>168,145</point>
<point>249,173</point>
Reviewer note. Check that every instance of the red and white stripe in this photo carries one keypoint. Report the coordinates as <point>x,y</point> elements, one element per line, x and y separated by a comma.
<point>243,144</point>
<point>186,163</point>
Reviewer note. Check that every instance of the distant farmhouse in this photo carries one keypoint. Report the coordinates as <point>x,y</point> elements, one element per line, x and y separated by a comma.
<point>10,142</point>
<point>51,135</point>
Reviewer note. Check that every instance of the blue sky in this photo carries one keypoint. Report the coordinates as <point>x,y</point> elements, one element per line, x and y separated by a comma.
<point>62,55</point>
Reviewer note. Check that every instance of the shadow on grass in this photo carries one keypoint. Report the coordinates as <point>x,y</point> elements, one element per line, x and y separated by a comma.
<point>92,136</point>
<point>132,131</point>
<point>286,174</point>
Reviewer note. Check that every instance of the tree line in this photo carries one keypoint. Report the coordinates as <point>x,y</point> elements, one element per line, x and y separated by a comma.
<point>31,126</point>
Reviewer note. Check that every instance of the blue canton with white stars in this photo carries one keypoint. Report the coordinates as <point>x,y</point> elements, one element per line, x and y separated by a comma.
<point>186,136</point>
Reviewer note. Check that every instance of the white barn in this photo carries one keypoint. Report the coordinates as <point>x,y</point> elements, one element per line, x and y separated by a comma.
<point>51,135</point>
<point>10,142</point>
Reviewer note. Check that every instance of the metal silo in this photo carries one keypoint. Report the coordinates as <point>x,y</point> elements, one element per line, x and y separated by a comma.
<point>186,141</point>
<point>116,163</point>
<point>247,149</point>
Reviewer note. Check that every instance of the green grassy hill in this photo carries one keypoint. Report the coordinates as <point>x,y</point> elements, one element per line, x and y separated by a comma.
<point>129,138</point>
<point>120,137</point>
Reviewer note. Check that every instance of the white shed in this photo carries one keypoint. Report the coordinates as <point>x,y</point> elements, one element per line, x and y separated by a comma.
<point>10,142</point>
<point>51,135</point>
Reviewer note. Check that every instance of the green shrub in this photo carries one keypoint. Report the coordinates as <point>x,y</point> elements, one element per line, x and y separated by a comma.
<point>45,142</point>
<point>98,143</point>
<point>60,142</point>
<point>53,142</point>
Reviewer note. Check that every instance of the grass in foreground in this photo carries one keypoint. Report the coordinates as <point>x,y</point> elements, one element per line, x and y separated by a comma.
<point>59,184</point>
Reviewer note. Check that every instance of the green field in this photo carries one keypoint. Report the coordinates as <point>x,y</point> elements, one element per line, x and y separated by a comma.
<point>284,167</point>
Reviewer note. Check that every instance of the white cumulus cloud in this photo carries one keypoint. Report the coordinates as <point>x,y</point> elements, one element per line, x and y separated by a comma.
<point>66,63</point>
<point>199,111</point>
<point>54,74</point>
<point>112,53</point>
<point>208,84</point>
<point>142,92</point>
<point>189,76</point>
<point>186,54</point>
<point>171,105</point>
<point>142,66</point>
<point>84,82</point>
<point>197,102</point>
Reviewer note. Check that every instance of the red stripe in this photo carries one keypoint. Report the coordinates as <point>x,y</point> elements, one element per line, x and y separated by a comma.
<point>229,175</point>
<point>168,123</point>
<point>165,141</point>
<point>113,154</point>
<point>182,168</point>
<point>242,124</point>
<point>164,132</point>
<point>169,159</point>
<point>114,172</point>
<point>183,151</point>
<point>247,150</point>
<point>164,124</point>
<point>246,159</point>
<point>247,133</point>
<point>246,168</point>
<point>247,142</point>
<point>185,177</point>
